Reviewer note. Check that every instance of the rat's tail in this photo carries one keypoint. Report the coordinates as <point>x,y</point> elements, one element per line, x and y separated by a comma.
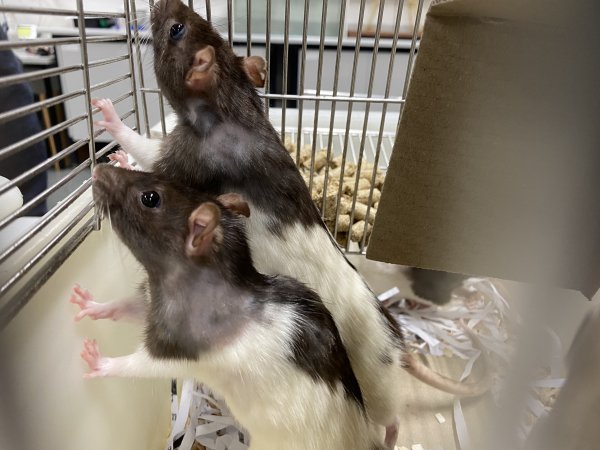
<point>413,365</point>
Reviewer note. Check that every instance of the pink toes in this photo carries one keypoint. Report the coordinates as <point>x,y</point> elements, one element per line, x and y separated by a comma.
<point>91,355</point>
<point>121,157</point>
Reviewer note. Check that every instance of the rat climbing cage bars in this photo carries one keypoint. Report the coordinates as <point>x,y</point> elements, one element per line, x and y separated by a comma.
<point>337,78</point>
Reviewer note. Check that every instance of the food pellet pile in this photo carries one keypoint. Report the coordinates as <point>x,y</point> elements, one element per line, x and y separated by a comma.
<point>326,199</point>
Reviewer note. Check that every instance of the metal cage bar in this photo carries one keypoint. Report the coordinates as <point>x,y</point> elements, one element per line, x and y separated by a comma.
<point>350,114</point>
<point>361,15</point>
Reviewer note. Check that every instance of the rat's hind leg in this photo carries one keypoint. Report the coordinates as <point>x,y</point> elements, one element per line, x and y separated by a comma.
<point>133,307</point>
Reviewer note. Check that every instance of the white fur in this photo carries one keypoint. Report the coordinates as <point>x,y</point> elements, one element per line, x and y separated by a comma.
<point>281,406</point>
<point>311,257</point>
<point>145,151</point>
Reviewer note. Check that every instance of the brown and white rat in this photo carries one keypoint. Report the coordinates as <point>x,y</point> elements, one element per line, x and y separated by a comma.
<point>267,344</point>
<point>223,142</point>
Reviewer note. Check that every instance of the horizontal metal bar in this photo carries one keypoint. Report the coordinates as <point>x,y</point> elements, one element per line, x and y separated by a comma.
<point>102,62</point>
<point>7,312</point>
<point>150,90</point>
<point>43,166</point>
<point>44,195</point>
<point>110,82</point>
<point>35,107</point>
<point>10,309</point>
<point>330,42</point>
<point>47,218</point>
<point>108,38</point>
<point>107,148</point>
<point>7,45</point>
<point>335,98</point>
<point>115,101</point>
<point>27,142</point>
<point>38,74</point>
<point>57,12</point>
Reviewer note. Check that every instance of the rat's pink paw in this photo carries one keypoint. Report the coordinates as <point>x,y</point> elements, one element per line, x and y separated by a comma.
<point>96,362</point>
<point>94,310</point>
<point>121,157</point>
<point>112,122</point>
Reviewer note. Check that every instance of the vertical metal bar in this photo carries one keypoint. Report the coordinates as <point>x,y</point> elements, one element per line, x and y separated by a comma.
<point>367,111</point>
<point>88,98</point>
<point>411,55</point>
<point>361,15</point>
<point>286,48</point>
<point>318,92</point>
<point>301,90</point>
<point>335,89</point>
<point>230,22</point>
<point>388,85</point>
<point>141,69</point>
<point>248,27</point>
<point>190,4</point>
<point>131,65</point>
<point>413,47</point>
<point>208,13</point>
<point>163,125</point>
<point>268,54</point>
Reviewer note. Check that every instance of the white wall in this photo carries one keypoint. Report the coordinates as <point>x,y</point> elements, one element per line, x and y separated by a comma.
<point>44,401</point>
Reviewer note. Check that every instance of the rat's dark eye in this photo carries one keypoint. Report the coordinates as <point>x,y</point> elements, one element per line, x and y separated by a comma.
<point>176,31</point>
<point>150,199</point>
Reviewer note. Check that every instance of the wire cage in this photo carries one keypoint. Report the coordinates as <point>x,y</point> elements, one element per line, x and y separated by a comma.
<point>337,78</point>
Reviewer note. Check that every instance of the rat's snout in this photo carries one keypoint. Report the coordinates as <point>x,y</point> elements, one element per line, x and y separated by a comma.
<point>105,182</point>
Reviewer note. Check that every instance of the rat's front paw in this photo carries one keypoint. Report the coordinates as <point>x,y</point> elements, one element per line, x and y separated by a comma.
<point>89,307</point>
<point>112,122</point>
<point>96,362</point>
<point>121,157</point>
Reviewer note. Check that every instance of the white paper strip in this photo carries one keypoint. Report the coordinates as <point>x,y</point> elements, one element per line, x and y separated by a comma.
<point>388,294</point>
<point>551,383</point>
<point>460,426</point>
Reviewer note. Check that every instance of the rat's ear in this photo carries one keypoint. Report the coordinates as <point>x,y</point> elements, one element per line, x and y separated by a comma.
<point>256,69</point>
<point>201,76</point>
<point>201,229</point>
<point>235,203</point>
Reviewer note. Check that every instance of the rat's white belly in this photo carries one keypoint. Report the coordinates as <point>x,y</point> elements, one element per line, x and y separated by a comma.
<point>282,406</point>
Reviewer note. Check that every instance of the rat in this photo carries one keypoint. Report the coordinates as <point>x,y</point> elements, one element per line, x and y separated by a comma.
<point>224,142</point>
<point>267,344</point>
<point>255,68</point>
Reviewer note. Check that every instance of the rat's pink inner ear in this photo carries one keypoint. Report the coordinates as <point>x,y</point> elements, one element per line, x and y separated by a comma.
<point>202,224</point>
<point>256,69</point>
<point>235,203</point>
<point>201,76</point>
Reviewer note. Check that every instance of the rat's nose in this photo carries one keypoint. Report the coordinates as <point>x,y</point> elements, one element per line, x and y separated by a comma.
<point>104,173</point>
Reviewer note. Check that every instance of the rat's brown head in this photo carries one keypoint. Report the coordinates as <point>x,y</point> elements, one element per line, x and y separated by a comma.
<point>192,61</point>
<point>164,224</point>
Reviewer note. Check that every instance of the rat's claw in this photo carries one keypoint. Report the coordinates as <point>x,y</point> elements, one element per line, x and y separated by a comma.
<point>91,355</point>
<point>112,122</point>
<point>121,157</point>
<point>80,296</point>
